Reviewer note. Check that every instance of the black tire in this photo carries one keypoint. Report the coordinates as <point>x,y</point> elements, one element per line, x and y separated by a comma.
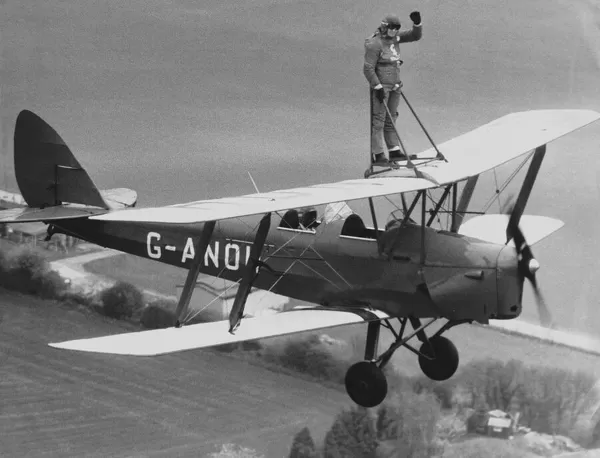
<point>446,359</point>
<point>366,384</point>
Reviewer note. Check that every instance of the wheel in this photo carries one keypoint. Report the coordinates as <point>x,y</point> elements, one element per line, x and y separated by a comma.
<point>366,384</point>
<point>446,359</point>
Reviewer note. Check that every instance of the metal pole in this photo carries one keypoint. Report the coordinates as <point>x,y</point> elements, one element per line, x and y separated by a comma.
<point>454,197</point>
<point>370,128</point>
<point>423,210</point>
<point>409,163</point>
<point>439,153</point>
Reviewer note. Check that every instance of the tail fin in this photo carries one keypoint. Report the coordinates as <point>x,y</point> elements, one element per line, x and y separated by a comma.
<point>47,173</point>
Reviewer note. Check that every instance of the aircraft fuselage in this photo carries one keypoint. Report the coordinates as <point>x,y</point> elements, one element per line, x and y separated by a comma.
<point>457,279</point>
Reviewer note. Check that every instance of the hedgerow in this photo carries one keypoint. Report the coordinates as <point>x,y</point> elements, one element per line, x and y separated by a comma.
<point>308,355</point>
<point>121,300</point>
<point>158,315</point>
<point>27,271</point>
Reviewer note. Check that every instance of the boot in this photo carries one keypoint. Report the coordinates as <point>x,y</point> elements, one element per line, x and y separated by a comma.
<point>397,155</point>
<point>379,159</point>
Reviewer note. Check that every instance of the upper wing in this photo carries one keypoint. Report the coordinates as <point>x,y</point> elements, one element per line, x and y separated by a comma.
<point>251,204</point>
<point>170,340</point>
<point>470,154</point>
<point>502,140</point>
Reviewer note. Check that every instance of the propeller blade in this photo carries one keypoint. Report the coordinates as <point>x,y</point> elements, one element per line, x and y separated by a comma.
<point>543,310</point>
<point>528,265</point>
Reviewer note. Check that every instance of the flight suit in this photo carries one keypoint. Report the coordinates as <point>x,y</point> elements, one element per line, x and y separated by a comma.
<point>382,66</point>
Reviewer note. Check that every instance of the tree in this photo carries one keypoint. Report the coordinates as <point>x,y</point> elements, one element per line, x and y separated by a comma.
<point>407,425</point>
<point>550,400</point>
<point>121,300</point>
<point>303,445</point>
<point>386,423</point>
<point>352,435</point>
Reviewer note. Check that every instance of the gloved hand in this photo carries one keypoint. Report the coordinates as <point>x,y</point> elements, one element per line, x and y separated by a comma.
<point>379,93</point>
<point>415,16</point>
<point>397,87</point>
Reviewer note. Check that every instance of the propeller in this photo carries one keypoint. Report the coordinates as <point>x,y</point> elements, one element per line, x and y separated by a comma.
<point>527,264</point>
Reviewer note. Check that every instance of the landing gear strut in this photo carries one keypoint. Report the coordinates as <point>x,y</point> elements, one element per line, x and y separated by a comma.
<point>365,381</point>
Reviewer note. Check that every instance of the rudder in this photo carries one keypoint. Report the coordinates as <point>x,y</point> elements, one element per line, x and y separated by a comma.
<point>47,173</point>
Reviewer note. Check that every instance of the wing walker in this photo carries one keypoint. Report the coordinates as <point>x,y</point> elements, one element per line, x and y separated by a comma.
<point>412,161</point>
<point>409,271</point>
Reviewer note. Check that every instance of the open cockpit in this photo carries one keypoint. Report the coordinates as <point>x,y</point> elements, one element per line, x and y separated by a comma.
<point>306,220</point>
<point>300,220</point>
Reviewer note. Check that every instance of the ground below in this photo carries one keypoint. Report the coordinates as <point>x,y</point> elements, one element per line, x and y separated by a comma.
<point>60,403</point>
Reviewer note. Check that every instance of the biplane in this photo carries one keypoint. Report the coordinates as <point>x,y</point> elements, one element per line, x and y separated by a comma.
<point>403,277</point>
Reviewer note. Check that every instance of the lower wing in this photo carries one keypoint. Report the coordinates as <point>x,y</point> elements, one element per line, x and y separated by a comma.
<point>170,340</point>
<point>492,228</point>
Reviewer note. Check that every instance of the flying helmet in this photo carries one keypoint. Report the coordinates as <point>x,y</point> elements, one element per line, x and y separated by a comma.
<point>390,22</point>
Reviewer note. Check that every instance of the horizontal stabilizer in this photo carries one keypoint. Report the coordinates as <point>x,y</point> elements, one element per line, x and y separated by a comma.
<point>29,215</point>
<point>170,340</point>
<point>492,228</point>
<point>119,197</point>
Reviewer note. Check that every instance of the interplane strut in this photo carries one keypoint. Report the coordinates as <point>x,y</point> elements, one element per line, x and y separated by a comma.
<point>192,276</point>
<point>526,188</point>
<point>463,204</point>
<point>250,273</point>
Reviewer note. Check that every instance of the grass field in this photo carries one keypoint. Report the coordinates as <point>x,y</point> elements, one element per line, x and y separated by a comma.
<point>60,403</point>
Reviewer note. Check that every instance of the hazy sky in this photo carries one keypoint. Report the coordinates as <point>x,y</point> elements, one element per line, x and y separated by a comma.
<point>179,101</point>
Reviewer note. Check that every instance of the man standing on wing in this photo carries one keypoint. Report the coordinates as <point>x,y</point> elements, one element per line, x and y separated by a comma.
<point>382,70</point>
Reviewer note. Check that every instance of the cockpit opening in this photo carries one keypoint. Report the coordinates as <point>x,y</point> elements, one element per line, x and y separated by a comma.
<point>300,220</point>
<point>354,226</point>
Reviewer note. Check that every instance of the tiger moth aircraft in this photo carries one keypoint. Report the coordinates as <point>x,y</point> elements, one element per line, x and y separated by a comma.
<point>409,271</point>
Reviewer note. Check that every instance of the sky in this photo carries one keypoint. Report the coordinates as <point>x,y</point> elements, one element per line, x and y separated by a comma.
<point>180,99</point>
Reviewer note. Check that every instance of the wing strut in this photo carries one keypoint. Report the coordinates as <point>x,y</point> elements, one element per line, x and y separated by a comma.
<point>463,204</point>
<point>250,273</point>
<point>526,188</point>
<point>192,276</point>
<point>374,217</point>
